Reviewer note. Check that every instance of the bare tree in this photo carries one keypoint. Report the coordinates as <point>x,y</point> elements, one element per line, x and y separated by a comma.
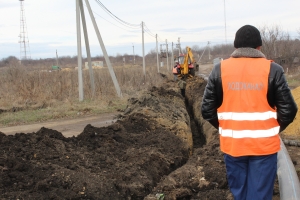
<point>270,37</point>
<point>289,51</point>
<point>279,46</point>
<point>195,48</point>
<point>222,50</point>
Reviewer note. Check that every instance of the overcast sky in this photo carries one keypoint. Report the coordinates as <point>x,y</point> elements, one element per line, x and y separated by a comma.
<point>51,25</point>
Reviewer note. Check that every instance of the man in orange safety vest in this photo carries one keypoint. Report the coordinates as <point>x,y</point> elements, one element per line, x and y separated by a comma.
<point>248,100</point>
<point>176,70</point>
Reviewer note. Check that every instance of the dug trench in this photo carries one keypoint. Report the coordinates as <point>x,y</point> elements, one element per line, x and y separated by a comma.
<point>159,148</point>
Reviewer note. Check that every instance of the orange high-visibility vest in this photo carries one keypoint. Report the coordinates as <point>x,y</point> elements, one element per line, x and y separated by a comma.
<point>247,123</point>
<point>175,69</point>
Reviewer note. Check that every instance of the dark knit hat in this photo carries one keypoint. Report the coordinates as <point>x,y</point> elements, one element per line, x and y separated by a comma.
<point>247,36</point>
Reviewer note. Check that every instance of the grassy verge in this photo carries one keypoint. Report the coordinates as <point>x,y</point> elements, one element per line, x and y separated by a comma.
<point>33,95</point>
<point>293,80</point>
<point>61,110</point>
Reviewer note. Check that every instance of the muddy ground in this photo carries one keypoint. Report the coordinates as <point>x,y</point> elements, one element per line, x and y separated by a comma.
<point>159,146</point>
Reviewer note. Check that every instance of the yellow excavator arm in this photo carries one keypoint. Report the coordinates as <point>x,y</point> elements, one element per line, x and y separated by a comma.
<point>188,59</point>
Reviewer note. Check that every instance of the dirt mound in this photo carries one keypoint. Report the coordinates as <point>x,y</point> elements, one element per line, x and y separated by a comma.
<point>159,146</point>
<point>126,159</point>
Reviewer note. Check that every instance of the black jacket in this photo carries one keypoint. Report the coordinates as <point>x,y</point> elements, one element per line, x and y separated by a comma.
<point>279,96</point>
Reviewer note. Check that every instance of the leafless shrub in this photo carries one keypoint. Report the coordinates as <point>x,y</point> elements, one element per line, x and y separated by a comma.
<point>22,86</point>
<point>270,37</point>
<point>279,46</point>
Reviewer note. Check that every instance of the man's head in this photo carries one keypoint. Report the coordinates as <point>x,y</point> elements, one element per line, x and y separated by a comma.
<point>247,36</point>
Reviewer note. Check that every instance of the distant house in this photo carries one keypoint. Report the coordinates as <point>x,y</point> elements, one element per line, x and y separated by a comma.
<point>283,60</point>
<point>95,64</point>
<point>280,60</point>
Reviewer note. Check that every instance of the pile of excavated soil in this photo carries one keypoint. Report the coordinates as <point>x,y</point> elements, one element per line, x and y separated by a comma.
<point>294,128</point>
<point>159,146</point>
<point>122,161</point>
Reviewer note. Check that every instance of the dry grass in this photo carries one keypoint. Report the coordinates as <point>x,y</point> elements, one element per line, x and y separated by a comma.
<point>294,128</point>
<point>28,95</point>
<point>293,80</point>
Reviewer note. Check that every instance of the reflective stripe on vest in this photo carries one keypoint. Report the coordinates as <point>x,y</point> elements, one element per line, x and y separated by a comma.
<point>247,123</point>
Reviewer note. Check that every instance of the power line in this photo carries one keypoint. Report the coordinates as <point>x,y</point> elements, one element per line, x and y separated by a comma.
<point>111,22</point>
<point>153,35</point>
<point>117,18</point>
<point>148,31</point>
<point>129,25</point>
<point>160,40</point>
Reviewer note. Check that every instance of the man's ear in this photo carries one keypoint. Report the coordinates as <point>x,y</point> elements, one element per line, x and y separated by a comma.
<point>258,48</point>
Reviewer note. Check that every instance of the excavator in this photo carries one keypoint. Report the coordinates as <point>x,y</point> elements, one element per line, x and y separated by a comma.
<point>188,65</point>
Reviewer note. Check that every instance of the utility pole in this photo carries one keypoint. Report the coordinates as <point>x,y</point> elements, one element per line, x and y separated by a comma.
<point>161,54</point>
<point>172,60</point>
<point>87,46</point>
<point>167,52</point>
<point>157,54</point>
<point>24,42</point>
<point>208,50</point>
<point>133,54</point>
<point>56,59</point>
<point>110,69</point>
<point>178,46</point>
<point>79,53</point>
<point>144,67</point>
<point>203,52</point>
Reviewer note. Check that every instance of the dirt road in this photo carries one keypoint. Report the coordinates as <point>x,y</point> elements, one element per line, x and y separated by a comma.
<point>69,128</point>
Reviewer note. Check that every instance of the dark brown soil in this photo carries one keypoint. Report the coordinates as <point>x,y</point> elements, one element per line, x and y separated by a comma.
<point>160,145</point>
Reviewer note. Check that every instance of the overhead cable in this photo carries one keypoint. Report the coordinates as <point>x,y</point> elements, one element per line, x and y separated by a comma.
<point>161,40</point>
<point>117,18</point>
<point>111,22</point>
<point>148,31</point>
